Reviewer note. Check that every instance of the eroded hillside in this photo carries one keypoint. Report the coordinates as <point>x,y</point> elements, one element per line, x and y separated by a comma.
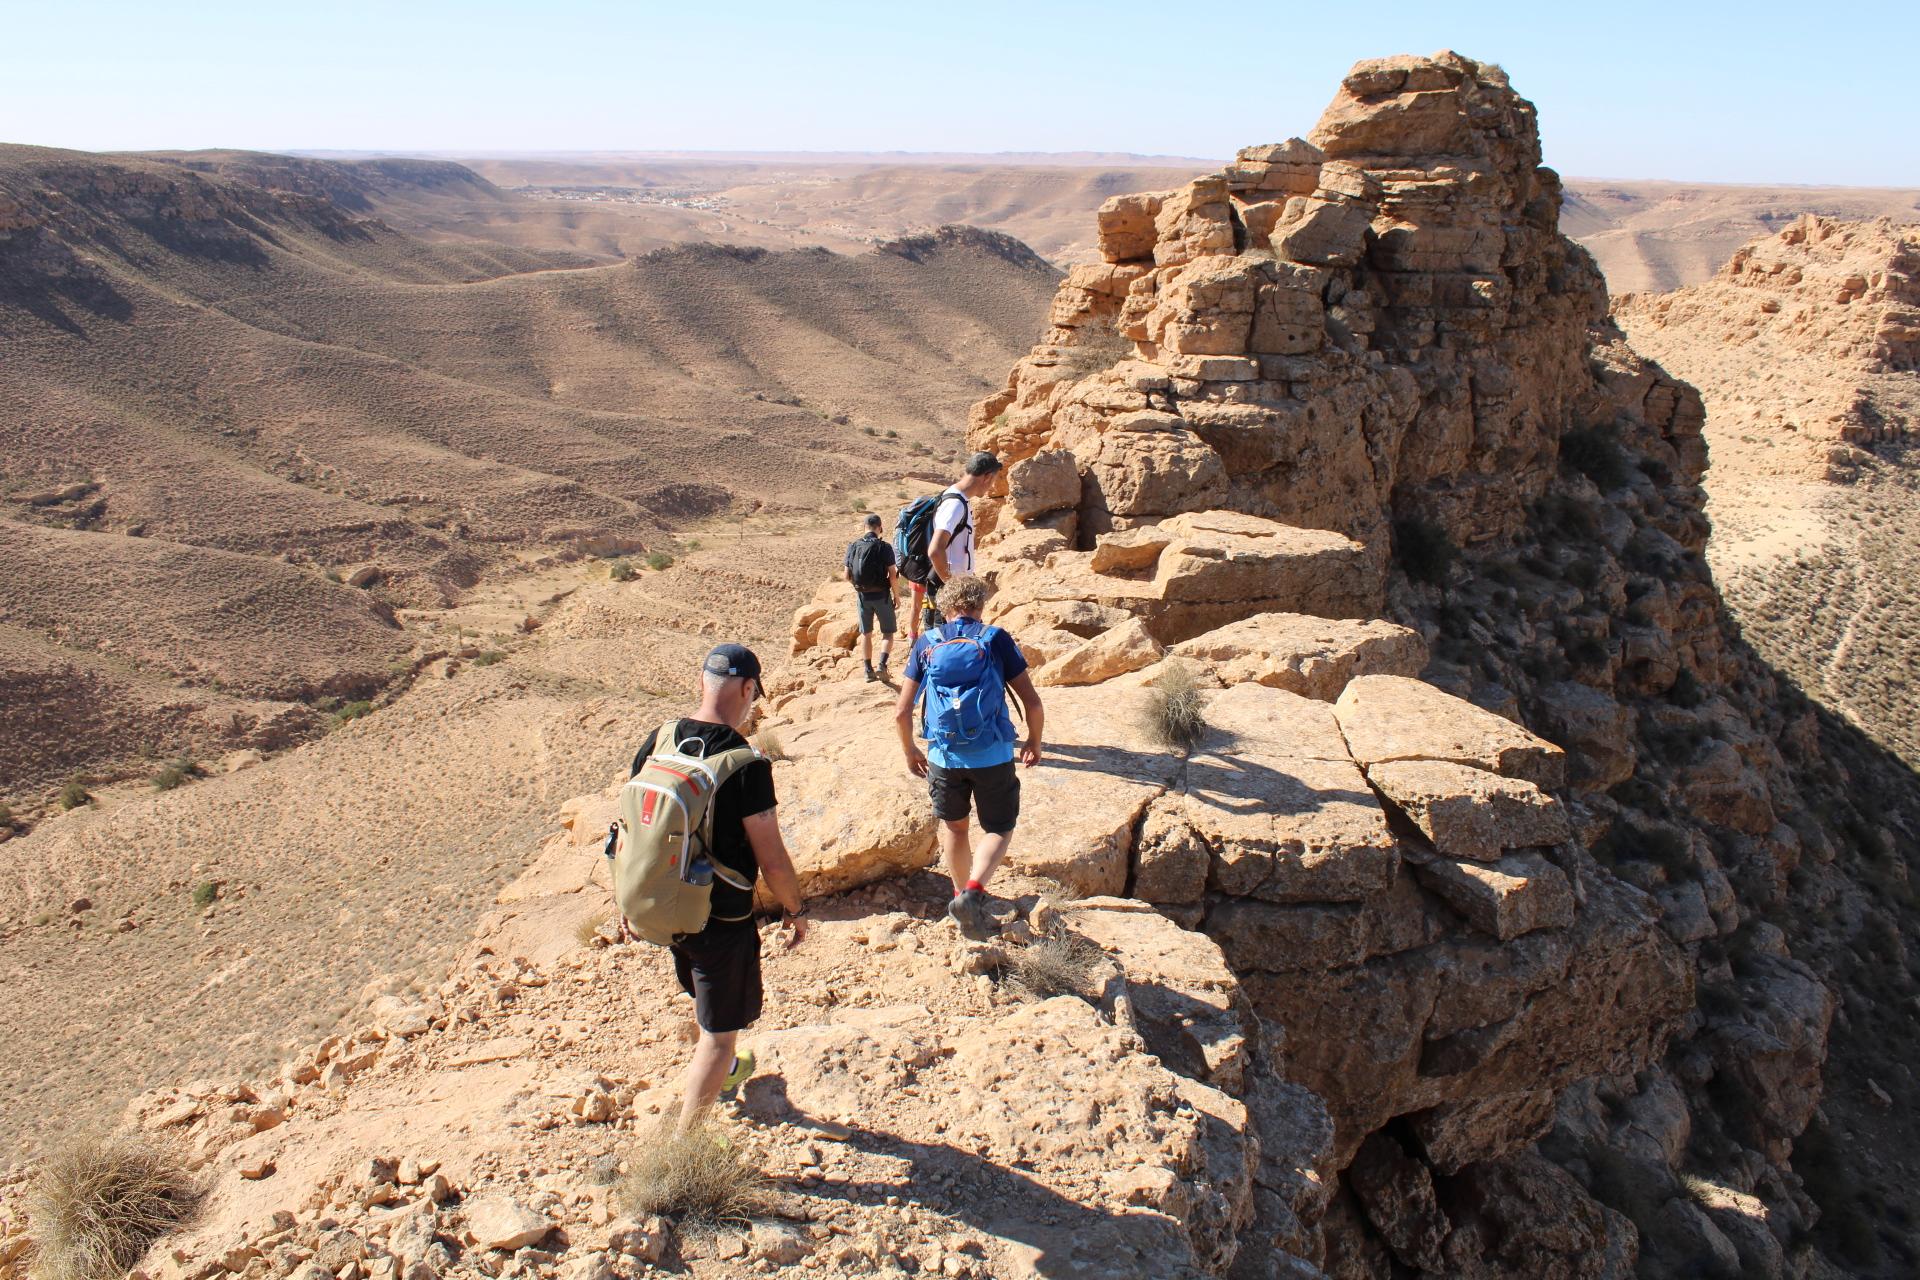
<point>1806,347</point>
<point>251,408</point>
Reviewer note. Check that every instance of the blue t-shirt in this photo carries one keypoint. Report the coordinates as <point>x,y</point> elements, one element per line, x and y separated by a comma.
<point>1005,654</point>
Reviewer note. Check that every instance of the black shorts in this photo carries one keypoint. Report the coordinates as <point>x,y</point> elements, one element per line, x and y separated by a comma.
<point>720,968</point>
<point>994,789</point>
<point>877,606</point>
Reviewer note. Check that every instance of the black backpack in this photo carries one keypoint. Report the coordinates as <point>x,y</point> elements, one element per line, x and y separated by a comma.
<point>913,530</point>
<point>867,561</point>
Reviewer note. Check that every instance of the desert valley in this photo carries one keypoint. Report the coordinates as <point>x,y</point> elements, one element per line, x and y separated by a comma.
<point>1535,900</point>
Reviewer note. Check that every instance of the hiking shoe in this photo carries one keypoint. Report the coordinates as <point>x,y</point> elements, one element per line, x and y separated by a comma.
<point>868,667</point>
<point>742,1068</point>
<point>969,911</point>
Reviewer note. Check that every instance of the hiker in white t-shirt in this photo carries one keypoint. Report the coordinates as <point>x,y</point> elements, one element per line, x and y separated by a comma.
<point>950,547</point>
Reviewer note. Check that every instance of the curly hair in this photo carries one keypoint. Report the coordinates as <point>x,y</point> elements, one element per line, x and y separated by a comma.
<point>964,595</point>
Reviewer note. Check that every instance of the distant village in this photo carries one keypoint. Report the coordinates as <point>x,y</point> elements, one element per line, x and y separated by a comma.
<point>624,195</point>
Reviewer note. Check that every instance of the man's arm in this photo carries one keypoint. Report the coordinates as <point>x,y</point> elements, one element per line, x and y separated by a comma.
<point>903,723</point>
<point>937,552</point>
<point>776,865</point>
<point>1022,686</point>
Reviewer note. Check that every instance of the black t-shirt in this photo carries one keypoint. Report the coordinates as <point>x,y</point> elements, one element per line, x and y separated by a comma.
<point>746,793</point>
<point>886,561</point>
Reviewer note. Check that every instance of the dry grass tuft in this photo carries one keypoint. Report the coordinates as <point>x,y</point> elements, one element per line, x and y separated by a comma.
<point>1175,712</point>
<point>698,1178</point>
<point>98,1204</point>
<point>771,746</point>
<point>1058,966</point>
<point>589,928</point>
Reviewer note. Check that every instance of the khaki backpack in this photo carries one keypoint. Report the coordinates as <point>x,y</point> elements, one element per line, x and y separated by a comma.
<point>664,868</point>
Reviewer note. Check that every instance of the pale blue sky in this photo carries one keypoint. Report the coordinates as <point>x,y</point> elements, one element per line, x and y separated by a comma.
<point>1766,92</point>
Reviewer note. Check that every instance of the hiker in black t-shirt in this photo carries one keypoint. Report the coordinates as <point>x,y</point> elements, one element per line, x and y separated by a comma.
<point>871,570</point>
<point>720,966</point>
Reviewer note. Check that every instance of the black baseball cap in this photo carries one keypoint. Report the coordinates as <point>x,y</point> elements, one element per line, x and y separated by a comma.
<point>982,464</point>
<point>734,660</point>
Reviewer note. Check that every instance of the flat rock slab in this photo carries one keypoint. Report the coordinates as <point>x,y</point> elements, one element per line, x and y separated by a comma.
<point>1304,654</point>
<point>1080,806</point>
<point>1516,895</point>
<point>1468,812</point>
<point>1260,720</point>
<point>1389,718</point>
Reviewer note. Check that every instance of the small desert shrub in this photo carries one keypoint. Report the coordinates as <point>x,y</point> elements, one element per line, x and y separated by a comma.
<point>620,571</point>
<point>771,746</point>
<point>1175,711</point>
<point>1061,966</point>
<point>695,1177</point>
<point>75,794</point>
<point>1423,549</point>
<point>659,560</point>
<point>1686,691</point>
<point>488,658</point>
<point>98,1205</point>
<point>692,544</point>
<point>1583,572</point>
<point>1588,651</point>
<point>333,575</point>
<point>177,773</point>
<point>892,434</point>
<point>859,504</point>
<point>205,892</point>
<point>352,711</point>
<point>6,818</point>
<point>1597,455</point>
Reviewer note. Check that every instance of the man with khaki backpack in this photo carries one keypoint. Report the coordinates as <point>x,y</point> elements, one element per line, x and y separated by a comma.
<point>697,828</point>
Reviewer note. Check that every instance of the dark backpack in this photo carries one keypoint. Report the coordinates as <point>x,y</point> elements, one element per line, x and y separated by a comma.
<point>868,561</point>
<point>913,530</point>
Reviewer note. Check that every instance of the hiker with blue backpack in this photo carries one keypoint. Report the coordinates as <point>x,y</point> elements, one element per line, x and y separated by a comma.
<point>697,828</point>
<point>933,536</point>
<point>961,672</point>
<point>870,568</point>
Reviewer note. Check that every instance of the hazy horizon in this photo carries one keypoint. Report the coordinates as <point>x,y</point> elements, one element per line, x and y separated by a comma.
<point>1656,92</point>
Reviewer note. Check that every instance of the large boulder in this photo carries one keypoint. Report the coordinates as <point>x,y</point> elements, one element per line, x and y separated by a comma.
<point>1305,654</point>
<point>1468,812</point>
<point>1389,718</point>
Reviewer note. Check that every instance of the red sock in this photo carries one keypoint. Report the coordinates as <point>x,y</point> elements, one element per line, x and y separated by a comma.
<point>975,884</point>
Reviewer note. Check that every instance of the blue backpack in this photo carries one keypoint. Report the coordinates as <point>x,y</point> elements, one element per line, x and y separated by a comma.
<point>964,692</point>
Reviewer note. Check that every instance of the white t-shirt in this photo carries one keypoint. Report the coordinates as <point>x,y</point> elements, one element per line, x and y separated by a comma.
<point>948,517</point>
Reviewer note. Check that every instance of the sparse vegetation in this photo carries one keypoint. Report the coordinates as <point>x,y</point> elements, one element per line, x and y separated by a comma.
<point>1175,710</point>
<point>771,746</point>
<point>696,1178</point>
<point>97,1206</point>
<point>658,560</point>
<point>489,657</point>
<point>352,711</point>
<point>621,571</point>
<point>859,504</point>
<point>1423,549</point>
<point>333,575</point>
<point>205,893</point>
<point>1055,966</point>
<point>75,794</point>
<point>177,773</point>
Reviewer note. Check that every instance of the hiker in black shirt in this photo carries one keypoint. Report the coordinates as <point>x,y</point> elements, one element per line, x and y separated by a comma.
<point>870,568</point>
<point>720,966</point>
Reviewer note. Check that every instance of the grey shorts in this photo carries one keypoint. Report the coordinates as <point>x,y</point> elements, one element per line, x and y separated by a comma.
<point>993,789</point>
<point>877,606</point>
